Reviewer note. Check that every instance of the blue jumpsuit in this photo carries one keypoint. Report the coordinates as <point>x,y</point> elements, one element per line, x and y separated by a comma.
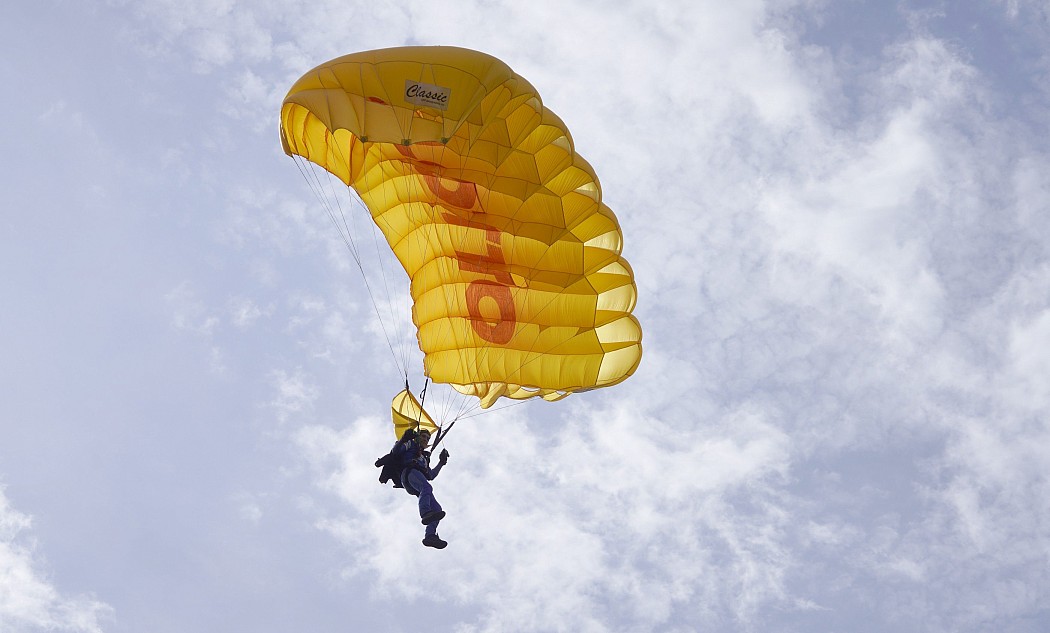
<point>416,479</point>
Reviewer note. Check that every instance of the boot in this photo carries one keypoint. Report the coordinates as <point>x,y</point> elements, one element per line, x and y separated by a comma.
<point>433,540</point>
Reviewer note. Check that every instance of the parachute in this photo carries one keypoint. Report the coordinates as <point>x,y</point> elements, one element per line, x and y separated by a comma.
<point>408,413</point>
<point>517,283</point>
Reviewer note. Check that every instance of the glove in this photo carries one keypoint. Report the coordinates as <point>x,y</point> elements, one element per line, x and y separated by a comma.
<point>443,457</point>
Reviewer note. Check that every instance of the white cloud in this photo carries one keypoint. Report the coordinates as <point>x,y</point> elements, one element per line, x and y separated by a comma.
<point>295,394</point>
<point>28,600</point>
<point>215,32</point>
<point>811,292</point>
<point>838,417</point>
<point>617,521</point>
<point>246,312</point>
<point>1029,368</point>
<point>189,312</point>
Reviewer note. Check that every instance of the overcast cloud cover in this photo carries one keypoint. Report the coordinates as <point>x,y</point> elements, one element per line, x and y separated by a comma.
<point>837,213</point>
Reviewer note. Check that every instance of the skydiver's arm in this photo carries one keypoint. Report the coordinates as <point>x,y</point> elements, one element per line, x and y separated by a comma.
<point>433,472</point>
<point>442,459</point>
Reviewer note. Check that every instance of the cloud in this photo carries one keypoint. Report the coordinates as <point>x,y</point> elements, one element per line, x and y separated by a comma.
<point>606,524</point>
<point>861,210</point>
<point>1027,368</point>
<point>246,312</point>
<point>919,228</point>
<point>801,427</point>
<point>295,394</point>
<point>214,32</point>
<point>189,312</point>
<point>28,600</point>
<point>842,271</point>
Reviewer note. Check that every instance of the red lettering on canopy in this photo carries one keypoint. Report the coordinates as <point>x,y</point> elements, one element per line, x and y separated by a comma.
<point>455,193</point>
<point>464,196</point>
<point>501,331</point>
<point>493,250</point>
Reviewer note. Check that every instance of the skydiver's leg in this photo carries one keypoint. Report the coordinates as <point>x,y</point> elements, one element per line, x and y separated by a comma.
<point>426,492</point>
<point>429,509</point>
<point>432,528</point>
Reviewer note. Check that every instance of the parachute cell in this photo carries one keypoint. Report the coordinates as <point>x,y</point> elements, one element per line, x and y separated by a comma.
<point>518,286</point>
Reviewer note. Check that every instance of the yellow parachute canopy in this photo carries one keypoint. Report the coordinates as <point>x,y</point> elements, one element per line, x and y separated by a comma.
<point>518,285</point>
<point>408,414</point>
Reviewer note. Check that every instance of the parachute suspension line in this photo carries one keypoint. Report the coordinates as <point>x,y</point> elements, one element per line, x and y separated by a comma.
<point>422,394</point>
<point>419,241</point>
<point>465,413</point>
<point>392,339</point>
<point>392,302</point>
<point>346,234</point>
<point>442,432</point>
<point>419,416</point>
<point>381,261</point>
<point>493,409</point>
<point>395,306</point>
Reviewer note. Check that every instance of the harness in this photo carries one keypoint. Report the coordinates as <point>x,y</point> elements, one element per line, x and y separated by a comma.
<point>397,464</point>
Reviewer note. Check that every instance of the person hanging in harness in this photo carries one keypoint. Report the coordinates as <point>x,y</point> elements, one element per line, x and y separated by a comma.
<point>408,465</point>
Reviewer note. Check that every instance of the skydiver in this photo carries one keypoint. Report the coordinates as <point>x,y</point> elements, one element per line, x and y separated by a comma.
<point>415,478</point>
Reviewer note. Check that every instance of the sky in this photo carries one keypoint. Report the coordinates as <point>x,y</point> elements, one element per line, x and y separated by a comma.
<point>837,216</point>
